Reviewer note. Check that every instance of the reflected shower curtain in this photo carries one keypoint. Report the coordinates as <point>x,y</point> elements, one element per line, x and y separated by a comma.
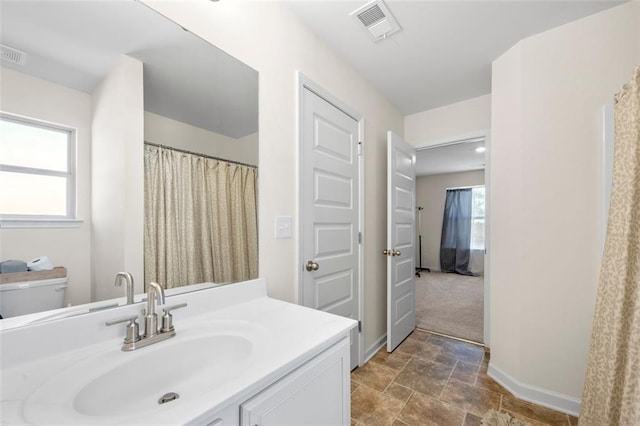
<point>200,219</point>
<point>612,386</point>
<point>455,244</point>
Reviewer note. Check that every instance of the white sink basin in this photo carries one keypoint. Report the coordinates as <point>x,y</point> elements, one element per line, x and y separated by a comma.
<point>187,368</point>
<point>113,385</point>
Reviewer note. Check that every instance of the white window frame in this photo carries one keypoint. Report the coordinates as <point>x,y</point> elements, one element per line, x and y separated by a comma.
<point>46,221</point>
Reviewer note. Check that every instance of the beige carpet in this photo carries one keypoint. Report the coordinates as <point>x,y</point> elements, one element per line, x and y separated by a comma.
<point>451,304</point>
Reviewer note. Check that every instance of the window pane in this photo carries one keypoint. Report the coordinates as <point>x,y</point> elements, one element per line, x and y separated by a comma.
<point>30,146</point>
<point>477,195</point>
<point>477,234</point>
<point>477,223</point>
<point>27,194</point>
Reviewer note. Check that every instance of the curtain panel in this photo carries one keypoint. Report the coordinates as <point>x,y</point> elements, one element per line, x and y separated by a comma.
<point>455,244</point>
<point>612,386</point>
<point>200,219</point>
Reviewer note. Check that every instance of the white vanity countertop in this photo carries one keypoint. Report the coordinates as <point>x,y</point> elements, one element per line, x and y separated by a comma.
<point>282,335</point>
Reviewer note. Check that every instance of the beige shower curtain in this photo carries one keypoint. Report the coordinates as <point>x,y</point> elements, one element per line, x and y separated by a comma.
<point>200,219</point>
<point>612,388</point>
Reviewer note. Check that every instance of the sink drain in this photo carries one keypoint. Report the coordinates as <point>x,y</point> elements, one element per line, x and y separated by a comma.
<point>168,397</point>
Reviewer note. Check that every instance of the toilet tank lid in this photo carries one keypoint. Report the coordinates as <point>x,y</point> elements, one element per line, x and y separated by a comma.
<point>15,277</point>
<point>33,284</point>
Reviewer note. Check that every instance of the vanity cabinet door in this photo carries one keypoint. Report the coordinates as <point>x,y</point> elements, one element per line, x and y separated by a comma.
<point>228,416</point>
<point>317,393</point>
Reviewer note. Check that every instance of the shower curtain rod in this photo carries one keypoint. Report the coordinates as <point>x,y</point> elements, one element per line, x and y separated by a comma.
<point>184,151</point>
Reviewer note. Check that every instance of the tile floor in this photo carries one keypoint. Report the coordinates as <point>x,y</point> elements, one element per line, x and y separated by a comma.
<point>433,380</point>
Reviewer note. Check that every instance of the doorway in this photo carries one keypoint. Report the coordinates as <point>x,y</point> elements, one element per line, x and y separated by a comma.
<point>330,257</point>
<point>453,298</point>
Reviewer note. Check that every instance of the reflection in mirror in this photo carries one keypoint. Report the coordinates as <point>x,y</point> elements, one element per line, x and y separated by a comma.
<point>187,238</point>
<point>117,75</point>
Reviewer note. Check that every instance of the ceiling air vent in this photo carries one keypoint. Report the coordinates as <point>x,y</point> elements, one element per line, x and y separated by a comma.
<point>12,55</point>
<point>377,20</point>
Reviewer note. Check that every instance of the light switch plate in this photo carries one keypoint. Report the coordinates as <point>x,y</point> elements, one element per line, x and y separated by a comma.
<point>283,226</point>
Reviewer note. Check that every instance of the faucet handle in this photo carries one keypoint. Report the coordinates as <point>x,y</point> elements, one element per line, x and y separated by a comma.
<point>167,318</point>
<point>132,330</point>
<point>168,309</point>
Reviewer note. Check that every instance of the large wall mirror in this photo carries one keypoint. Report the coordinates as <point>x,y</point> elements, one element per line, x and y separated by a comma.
<point>166,146</point>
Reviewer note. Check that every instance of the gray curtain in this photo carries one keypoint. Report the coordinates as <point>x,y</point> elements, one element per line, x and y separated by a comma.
<point>455,244</point>
<point>200,219</point>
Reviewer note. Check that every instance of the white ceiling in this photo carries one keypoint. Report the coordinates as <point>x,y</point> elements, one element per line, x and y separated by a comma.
<point>457,157</point>
<point>76,43</point>
<point>444,50</point>
<point>441,55</point>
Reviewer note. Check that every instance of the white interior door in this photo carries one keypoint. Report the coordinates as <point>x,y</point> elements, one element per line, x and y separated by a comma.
<point>401,204</point>
<point>330,211</point>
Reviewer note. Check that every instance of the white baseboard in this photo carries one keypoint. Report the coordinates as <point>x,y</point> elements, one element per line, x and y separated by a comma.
<point>373,349</point>
<point>534,394</point>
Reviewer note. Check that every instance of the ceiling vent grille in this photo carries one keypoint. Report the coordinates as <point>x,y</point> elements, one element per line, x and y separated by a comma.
<point>371,15</point>
<point>12,55</point>
<point>377,20</point>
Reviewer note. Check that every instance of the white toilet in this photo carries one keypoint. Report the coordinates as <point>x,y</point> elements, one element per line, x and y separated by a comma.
<point>27,297</point>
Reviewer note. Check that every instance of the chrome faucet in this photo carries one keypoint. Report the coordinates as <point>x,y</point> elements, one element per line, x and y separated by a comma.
<point>152,334</point>
<point>128,279</point>
<point>154,292</point>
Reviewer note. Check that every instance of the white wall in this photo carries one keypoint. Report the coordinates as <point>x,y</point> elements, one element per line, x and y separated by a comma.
<point>269,38</point>
<point>248,148</point>
<point>431,192</point>
<point>450,121</point>
<point>117,173</point>
<point>32,97</point>
<point>546,197</point>
<point>166,131</point>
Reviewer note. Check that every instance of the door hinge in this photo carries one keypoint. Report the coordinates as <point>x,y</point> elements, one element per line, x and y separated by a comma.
<point>359,326</point>
<point>360,148</point>
<point>359,237</point>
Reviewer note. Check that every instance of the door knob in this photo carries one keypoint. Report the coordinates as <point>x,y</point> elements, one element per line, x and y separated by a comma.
<point>312,266</point>
<point>386,252</point>
<point>395,253</point>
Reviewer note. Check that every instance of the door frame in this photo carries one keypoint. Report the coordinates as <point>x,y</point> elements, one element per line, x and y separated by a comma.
<point>486,135</point>
<point>305,83</point>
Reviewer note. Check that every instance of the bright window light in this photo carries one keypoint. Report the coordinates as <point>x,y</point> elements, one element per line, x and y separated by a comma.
<point>37,170</point>
<point>477,218</point>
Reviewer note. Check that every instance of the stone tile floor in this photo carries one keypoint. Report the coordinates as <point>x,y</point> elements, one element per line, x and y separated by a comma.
<point>434,380</point>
